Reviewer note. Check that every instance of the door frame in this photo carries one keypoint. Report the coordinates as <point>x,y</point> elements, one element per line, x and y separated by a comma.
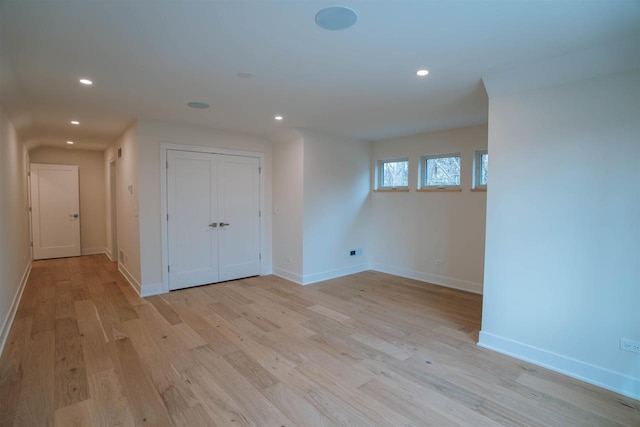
<point>75,169</point>
<point>112,252</point>
<point>164,147</point>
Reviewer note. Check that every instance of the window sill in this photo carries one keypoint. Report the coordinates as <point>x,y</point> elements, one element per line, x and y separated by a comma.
<point>439,190</point>
<point>479,190</point>
<point>392,190</point>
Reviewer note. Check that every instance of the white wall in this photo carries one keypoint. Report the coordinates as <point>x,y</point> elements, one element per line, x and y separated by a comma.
<point>15,253</point>
<point>336,206</point>
<point>562,272</point>
<point>92,190</point>
<point>411,230</point>
<point>151,135</point>
<point>288,210</point>
<point>128,233</point>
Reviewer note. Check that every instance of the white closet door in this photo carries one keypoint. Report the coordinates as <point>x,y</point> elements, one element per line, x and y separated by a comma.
<point>55,205</point>
<point>192,204</point>
<point>239,207</point>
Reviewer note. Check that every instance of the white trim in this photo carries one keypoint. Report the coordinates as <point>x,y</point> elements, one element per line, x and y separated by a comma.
<point>132,281</point>
<point>448,282</point>
<point>332,274</point>
<point>107,252</point>
<point>152,289</point>
<point>379,176</point>
<point>11,315</point>
<point>477,168</point>
<point>285,274</point>
<point>164,147</point>
<point>586,372</point>
<point>93,251</point>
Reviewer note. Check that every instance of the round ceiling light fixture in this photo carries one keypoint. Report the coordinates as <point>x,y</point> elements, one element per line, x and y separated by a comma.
<point>70,142</point>
<point>86,82</point>
<point>198,105</point>
<point>336,18</point>
<point>278,118</point>
<point>422,73</point>
<point>75,122</point>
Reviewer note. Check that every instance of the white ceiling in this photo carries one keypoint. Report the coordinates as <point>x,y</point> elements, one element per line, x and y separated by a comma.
<point>149,58</point>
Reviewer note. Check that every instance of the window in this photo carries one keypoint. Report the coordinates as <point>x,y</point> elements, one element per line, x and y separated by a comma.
<point>480,167</point>
<point>393,174</point>
<point>441,171</point>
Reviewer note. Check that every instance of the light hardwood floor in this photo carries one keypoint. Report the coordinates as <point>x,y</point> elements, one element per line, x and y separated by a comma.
<point>364,350</point>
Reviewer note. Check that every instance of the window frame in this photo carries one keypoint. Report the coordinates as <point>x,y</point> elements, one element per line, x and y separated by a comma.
<point>477,170</point>
<point>380,176</point>
<point>424,186</point>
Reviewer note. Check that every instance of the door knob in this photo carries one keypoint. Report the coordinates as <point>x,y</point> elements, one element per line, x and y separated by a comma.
<point>224,224</point>
<point>73,216</point>
<point>213,225</point>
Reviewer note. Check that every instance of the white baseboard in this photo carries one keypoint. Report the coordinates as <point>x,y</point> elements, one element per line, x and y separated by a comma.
<point>285,274</point>
<point>152,289</point>
<point>132,281</point>
<point>108,253</point>
<point>448,282</point>
<point>582,371</point>
<point>8,320</point>
<point>93,251</point>
<point>332,274</point>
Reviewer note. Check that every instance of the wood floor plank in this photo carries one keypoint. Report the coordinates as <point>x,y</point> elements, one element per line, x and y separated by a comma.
<point>12,365</point>
<point>35,406</point>
<point>218,405</point>
<point>370,349</point>
<point>109,406</point>
<point>121,306</point>
<point>250,370</point>
<point>44,318</point>
<point>349,393</point>
<point>76,415</point>
<point>259,408</point>
<point>296,407</point>
<point>165,310</point>
<point>64,300</point>
<point>93,338</point>
<point>196,318</point>
<point>145,403</point>
<point>70,374</point>
<point>332,314</point>
<point>192,417</point>
<point>171,387</point>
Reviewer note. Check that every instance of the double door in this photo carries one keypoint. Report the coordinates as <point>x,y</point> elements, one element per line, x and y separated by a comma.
<point>213,205</point>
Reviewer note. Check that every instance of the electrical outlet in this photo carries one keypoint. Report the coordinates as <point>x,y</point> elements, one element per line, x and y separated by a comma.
<point>352,253</point>
<point>629,345</point>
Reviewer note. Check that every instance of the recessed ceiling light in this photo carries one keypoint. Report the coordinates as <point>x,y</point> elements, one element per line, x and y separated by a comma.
<point>422,73</point>
<point>336,18</point>
<point>245,75</point>
<point>278,118</point>
<point>86,82</point>
<point>70,142</point>
<point>75,122</point>
<point>198,105</point>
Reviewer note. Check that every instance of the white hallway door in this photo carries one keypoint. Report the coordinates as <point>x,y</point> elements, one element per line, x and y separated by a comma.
<point>213,205</point>
<point>55,211</point>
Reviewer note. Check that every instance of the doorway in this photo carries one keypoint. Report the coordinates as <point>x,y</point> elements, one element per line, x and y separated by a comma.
<point>213,217</point>
<point>112,249</point>
<point>55,211</point>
